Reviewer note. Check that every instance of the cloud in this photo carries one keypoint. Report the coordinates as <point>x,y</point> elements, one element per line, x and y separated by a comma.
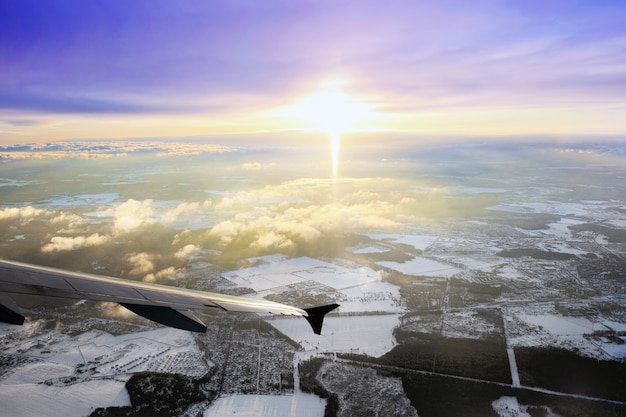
<point>226,230</point>
<point>183,209</point>
<point>132,215</point>
<point>167,273</point>
<point>225,203</point>
<point>141,263</point>
<point>23,98</point>
<point>303,211</point>
<point>114,310</point>
<point>255,166</point>
<point>189,251</point>
<point>61,243</point>
<point>21,213</point>
<point>66,218</point>
<point>107,149</point>
<point>272,239</point>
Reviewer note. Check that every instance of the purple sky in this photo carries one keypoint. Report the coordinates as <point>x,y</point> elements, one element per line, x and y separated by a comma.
<point>71,69</point>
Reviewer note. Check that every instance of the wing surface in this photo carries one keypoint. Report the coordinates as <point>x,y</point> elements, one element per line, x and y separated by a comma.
<point>163,304</point>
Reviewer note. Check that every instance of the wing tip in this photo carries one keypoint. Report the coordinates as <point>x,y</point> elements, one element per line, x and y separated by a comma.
<point>315,316</point>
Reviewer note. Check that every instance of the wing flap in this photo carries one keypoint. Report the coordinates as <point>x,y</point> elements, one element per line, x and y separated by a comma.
<point>179,319</point>
<point>9,311</point>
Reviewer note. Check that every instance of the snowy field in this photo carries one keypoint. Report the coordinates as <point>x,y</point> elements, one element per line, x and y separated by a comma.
<point>297,405</point>
<point>371,335</point>
<point>286,272</point>
<point>559,325</point>
<point>77,400</point>
<point>361,289</point>
<point>420,266</point>
<point>112,359</point>
<point>548,329</point>
<point>373,297</point>
<point>419,242</point>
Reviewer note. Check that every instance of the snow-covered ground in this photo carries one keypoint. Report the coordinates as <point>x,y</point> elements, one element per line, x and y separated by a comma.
<point>370,334</point>
<point>362,293</point>
<point>420,266</point>
<point>73,375</point>
<point>35,400</point>
<point>296,405</point>
<point>419,242</point>
<point>274,275</point>
<point>559,325</point>
<point>544,328</point>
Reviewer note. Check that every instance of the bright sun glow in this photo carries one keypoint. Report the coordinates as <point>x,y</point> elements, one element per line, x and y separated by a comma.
<point>332,111</point>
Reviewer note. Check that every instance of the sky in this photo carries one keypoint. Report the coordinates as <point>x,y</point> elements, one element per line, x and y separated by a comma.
<point>120,69</point>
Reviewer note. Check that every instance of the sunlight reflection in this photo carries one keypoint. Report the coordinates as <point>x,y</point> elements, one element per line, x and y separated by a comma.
<point>334,152</point>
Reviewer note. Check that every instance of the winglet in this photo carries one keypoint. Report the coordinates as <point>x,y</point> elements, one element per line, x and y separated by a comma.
<point>316,316</point>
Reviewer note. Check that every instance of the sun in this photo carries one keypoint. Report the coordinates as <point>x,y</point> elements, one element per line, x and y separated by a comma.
<point>335,112</point>
<point>332,111</point>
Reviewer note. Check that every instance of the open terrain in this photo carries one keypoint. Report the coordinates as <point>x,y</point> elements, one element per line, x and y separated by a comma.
<point>453,286</point>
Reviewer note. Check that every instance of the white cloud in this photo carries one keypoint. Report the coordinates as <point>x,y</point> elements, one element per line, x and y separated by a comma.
<point>308,208</point>
<point>255,166</point>
<point>170,273</point>
<point>188,252</point>
<point>183,209</point>
<point>133,214</point>
<point>225,229</point>
<point>308,223</point>
<point>272,240</point>
<point>66,217</point>
<point>61,243</point>
<point>225,204</point>
<point>21,213</point>
<point>110,149</point>
<point>141,263</point>
<point>114,310</point>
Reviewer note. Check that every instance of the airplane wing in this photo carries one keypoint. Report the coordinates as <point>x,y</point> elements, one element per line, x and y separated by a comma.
<point>160,303</point>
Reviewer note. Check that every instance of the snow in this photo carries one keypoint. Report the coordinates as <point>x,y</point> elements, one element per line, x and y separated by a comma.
<point>548,329</point>
<point>369,334</point>
<point>297,405</point>
<point>615,350</point>
<point>559,325</point>
<point>73,400</point>
<point>510,272</point>
<point>476,264</point>
<point>420,266</point>
<point>34,373</point>
<point>361,290</point>
<point>48,377</point>
<point>293,271</point>
<point>615,325</point>
<point>370,249</point>
<point>508,407</point>
<point>340,278</point>
<point>419,242</point>
<point>618,223</point>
